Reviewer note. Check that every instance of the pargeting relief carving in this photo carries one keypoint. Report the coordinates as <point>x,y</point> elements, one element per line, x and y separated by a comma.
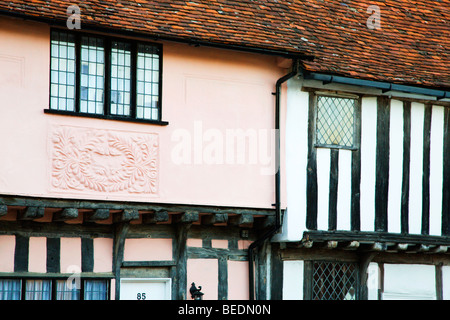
<point>104,161</point>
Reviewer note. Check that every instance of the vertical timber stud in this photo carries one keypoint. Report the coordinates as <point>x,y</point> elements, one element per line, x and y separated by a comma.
<point>356,172</point>
<point>87,255</point>
<point>311,173</point>
<point>276,277</point>
<point>382,164</point>
<point>333,193</point>
<point>426,170</point>
<point>53,255</point>
<point>223,278</point>
<point>21,253</point>
<point>446,175</point>
<point>406,166</point>
<point>120,233</point>
<point>182,226</point>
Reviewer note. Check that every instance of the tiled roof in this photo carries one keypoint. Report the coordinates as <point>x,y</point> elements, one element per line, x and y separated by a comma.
<point>411,47</point>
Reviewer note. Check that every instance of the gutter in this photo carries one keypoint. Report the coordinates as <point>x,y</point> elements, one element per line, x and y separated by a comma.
<point>384,86</point>
<point>277,225</point>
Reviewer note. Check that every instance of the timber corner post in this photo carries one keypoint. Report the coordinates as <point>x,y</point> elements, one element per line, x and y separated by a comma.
<point>183,223</point>
<point>121,227</point>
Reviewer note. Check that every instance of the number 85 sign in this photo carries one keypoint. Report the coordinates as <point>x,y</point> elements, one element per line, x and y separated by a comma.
<point>145,289</point>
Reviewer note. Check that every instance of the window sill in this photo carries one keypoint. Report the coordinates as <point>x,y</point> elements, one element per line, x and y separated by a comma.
<point>106,117</point>
<point>325,146</point>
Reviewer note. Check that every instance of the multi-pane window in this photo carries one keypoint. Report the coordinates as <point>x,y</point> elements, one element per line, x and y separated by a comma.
<point>147,82</point>
<point>10,289</point>
<point>105,77</point>
<point>121,78</point>
<point>335,121</point>
<point>53,289</point>
<point>92,75</point>
<point>62,71</point>
<point>38,289</point>
<point>334,281</point>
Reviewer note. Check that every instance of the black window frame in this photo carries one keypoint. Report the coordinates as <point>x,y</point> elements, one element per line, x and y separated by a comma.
<point>309,275</point>
<point>356,120</point>
<point>107,40</point>
<point>53,290</point>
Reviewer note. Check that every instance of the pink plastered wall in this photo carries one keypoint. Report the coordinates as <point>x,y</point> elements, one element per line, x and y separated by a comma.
<point>37,259</point>
<point>205,93</point>
<point>204,273</point>
<point>147,249</point>
<point>70,255</point>
<point>103,252</point>
<point>7,248</point>
<point>238,280</point>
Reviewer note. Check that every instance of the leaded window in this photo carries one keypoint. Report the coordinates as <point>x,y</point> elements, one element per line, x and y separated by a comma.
<point>105,77</point>
<point>335,121</point>
<point>334,281</point>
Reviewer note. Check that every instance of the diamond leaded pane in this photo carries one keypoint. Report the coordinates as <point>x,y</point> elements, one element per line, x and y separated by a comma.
<point>335,121</point>
<point>334,281</point>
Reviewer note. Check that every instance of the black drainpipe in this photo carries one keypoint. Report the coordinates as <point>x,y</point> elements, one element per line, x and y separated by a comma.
<point>277,225</point>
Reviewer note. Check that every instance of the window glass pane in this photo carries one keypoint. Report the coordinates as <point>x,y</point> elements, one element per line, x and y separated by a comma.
<point>38,290</point>
<point>67,290</point>
<point>10,289</point>
<point>334,281</point>
<point>147,103</point>
<point>335,121</point>
<point>95,290</point>
<point>120,78</point>
<point>62,65</point>
<point>92,75</point>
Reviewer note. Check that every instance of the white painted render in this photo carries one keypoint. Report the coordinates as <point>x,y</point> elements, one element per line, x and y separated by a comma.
<point>373,281</point>
<point>368,161</point>
<point>436,172</point>
<point>344,190</point>
<point>446,282</point>
<point>293,280</point>
<point>409,282</point>
<point>395,166</point>
<point>323,187</point>
<point>416,169</point>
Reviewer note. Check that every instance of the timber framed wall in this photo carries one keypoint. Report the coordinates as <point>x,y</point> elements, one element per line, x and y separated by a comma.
<point>48,238</point>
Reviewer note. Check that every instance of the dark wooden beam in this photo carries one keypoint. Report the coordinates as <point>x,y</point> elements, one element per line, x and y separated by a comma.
<point>3,210</point>
<point>155,217</point>
<point>120,234</point>
<point>382,163</point>
<point>426,170</point>
<point>126,215</point>
<point>446,176</point>
<point>147,264</point>
<point>96,215</point>
<point>215,218</point>
<point>264,222</point>
<point>187,217</point>
<point>404,209</point>
<point>311,170</point>
<point>241,220</point>
<point>179,283</point>
<point>66,214</point>
<point>30,213</point>
<point>355,210</point>
<point>20,201</point>
<point>372,237</point>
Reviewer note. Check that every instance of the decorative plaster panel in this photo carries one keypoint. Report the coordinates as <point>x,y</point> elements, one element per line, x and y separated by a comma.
<point>104,161</point>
